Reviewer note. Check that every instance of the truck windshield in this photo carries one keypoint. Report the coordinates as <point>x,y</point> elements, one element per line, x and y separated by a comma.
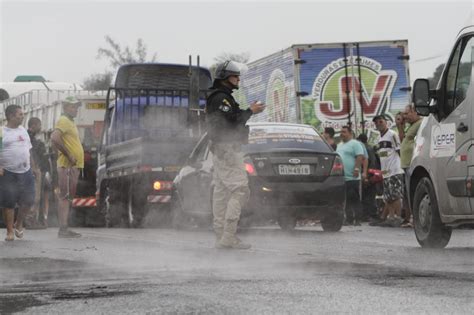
<point>152,113</point>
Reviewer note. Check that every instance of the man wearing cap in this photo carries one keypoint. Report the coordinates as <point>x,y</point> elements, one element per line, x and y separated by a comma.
<point>388,149</point>
<point>352,154</point>
<point>227,132</point>
<point>65,138</point>
<point>407,137</point>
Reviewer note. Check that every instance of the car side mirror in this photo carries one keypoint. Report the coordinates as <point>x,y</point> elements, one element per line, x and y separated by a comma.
<point>421,97</point>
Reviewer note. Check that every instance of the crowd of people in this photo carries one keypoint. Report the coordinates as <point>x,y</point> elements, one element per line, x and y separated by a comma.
<point>30,173</point>
<point>378,173</point>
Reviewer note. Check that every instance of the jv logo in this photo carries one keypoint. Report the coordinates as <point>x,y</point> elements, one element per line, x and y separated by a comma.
<point>335,95</point>
<point>277,98</point>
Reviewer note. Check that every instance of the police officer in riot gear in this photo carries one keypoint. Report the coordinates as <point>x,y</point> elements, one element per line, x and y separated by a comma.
<point>227,132</point>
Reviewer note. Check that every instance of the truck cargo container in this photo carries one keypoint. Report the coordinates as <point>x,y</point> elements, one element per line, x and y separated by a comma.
<point>330,85</point>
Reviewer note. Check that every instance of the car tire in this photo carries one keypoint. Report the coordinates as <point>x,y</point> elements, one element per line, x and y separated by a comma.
<point>115,208</point>
<point>77,217</point>
<point>332,222</point>
<point>429,230</point>
<point>94,217</point>
<point>137,207</point>
<point>287,222</point>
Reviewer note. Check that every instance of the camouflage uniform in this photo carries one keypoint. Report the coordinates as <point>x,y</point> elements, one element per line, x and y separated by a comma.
<point>231,190</point>
<point>227,132</point>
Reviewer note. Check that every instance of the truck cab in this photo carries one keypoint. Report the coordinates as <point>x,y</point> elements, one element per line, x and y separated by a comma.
<point>154,117</point>
<point>441,189</point>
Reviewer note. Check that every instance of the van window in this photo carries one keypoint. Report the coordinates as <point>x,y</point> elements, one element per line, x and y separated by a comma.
<point>459,74</point>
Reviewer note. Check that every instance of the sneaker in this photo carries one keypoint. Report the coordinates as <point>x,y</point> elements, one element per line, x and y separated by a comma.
<point>68,234</point>
<point>388,222</point>
<point>236,243</point>
<point>375,222</point>
<point>396,221</point>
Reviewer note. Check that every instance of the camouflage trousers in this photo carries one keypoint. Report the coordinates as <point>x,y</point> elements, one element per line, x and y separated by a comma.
<point>231,191</point>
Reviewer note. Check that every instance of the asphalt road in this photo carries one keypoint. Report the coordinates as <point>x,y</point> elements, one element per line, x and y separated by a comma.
<point>358,270</point>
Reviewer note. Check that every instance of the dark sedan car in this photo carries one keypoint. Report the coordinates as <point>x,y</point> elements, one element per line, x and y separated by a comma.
<point>293,174</point>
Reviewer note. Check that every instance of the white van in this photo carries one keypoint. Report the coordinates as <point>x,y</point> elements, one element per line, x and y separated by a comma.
<point>441,185</point>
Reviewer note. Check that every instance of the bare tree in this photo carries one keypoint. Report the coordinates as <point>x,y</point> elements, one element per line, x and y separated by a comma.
<point>118,55</point>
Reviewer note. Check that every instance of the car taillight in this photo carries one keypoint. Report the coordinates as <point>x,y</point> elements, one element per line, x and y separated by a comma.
<point>337,167</point>
<point>162,185</point>
<point>250,169</point>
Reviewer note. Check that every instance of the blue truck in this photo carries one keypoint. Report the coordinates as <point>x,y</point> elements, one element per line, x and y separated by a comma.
<point>154,118</point>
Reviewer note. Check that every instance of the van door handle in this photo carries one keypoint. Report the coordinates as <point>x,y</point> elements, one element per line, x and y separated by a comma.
<point>462,127</point>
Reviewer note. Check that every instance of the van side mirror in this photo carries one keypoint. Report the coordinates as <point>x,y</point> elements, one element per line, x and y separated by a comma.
<point>421,97</point>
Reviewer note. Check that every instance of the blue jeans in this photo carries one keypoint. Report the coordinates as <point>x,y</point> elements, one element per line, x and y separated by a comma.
<point>353,204</point>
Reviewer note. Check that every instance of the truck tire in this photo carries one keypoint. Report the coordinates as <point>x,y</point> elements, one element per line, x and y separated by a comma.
<point>332,222</point>
<point>137,206</point>
<point>429,230</point>
<point>77,217</point>
<point>287,222</point>
<point>116,209</point>
<point>94,217</point>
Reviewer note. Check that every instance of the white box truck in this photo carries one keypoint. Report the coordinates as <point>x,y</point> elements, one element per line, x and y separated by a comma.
<point>330,85</point>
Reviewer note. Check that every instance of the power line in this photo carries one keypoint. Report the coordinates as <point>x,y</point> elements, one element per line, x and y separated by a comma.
<point>429,58</point>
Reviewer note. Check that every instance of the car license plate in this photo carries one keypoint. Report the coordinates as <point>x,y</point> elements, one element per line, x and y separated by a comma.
<point>303,169</point>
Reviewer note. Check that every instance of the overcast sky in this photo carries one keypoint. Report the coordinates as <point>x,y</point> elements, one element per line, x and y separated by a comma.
<point>59,39</point>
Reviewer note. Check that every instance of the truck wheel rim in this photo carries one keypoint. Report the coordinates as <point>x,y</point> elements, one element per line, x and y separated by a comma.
<point>425,212</point>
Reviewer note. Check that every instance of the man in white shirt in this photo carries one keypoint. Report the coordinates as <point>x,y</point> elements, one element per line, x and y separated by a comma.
<point>388,149</point>
<point>17,184</point>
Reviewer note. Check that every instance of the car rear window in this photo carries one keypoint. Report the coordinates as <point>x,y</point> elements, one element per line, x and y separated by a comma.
<point>274,137</point>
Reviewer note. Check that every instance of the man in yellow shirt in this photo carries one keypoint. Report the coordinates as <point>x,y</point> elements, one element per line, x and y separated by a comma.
<point>65,138</point>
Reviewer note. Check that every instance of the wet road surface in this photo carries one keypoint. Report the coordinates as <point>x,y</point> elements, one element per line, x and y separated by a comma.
<point>360,269</point>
